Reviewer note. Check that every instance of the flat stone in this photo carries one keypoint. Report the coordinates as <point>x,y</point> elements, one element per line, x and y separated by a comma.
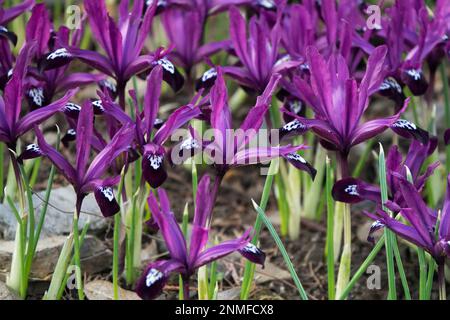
<point>95,256</point>
<point>271,272</point>
<point>103,290</point>
<point>6,294</point>
<point>229,294</point>
<point>58,219</point>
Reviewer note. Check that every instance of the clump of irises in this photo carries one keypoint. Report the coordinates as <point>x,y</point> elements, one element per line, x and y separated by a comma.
<point>138,89</point>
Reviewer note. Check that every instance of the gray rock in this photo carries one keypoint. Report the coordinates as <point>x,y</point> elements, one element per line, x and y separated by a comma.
<point>6,294</point>
<point>58,220</point>
<point>230,294</point>
<point>95,256</point>
<point>103,290</point>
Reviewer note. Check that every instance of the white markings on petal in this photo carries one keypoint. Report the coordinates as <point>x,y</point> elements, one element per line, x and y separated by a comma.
<point>390,83</point>
<point>283,59</point>
<point>295,106</point>
<point>352,190</point>
<point>153,276</point>
<point>250,247</point>
<point>33,147</point>
<point>167,65</point>
<point>107,193</point>
<point>304,67</point>
<point>208,74</point>
<point>296,157</point>
<point>59,53</point>
<point>70,106</point>
<point>404,124</point>
<point>155,161</point>
<point>109,85</point>
<point>158,122</point>
<point>98,104</point>
<point>3,29</point>
<point>293,125</point>
<point>37,95</point>
<point>189,144</point>
<point>377,224</point>
<point>71,132</point>
<point>268,4</point>
<point>414,73</point>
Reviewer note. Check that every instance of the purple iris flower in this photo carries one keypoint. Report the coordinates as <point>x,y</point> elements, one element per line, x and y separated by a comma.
<point>6,56</point>
<point>258,53</point>
<point>122,42</point>
<point>12,123</point>
<point>83,178</point>
<point>422,221</point>
<point>150,143</point>
<point>7,15</point>
<point>339,103</point>
<point>185,30</point>
<point>232,148</point>
<point>51,77</point>
<point>182,260</point>
<point>413,38</point>
<point>351,190</point>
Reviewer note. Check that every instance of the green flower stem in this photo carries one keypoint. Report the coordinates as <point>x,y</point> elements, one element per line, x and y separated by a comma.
<point>390,237</point>
<point>330,221</point>
<point>116,237</point>
<point>283,251</point>
<point>441,281</point>
<point>57,280</point>
<point>443,72</point>
<point>362,269</point>
<point>249,269</point>
<point>401,270</point>
<point>77,260</point>
<point>422,273</point>
<point>72,262</point>
<point>345,262</point>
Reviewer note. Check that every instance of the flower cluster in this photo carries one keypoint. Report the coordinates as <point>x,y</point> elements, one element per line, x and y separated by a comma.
<point>317,65</point>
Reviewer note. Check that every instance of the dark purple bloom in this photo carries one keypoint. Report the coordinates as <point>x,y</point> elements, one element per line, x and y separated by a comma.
<point>422,221</point>
<point>150,144</point>
<point>182,260</point>
<point>122,42</point>
<point>351,190</point>
<point>84,178</point>
<point>12,124</point>
<point>234,148</point>
<point>7,15</point>
<point>339,103</point>
<point>413,38</point>
<point>258,52</point>
<point>53,59</point>
<point>185,30</point>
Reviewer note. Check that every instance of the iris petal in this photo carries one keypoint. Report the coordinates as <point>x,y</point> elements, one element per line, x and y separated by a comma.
<point>31,151</point>
<point>300,163</point>
<point>253,253</point>
<point>11,36</point>
<point>408,129</point>
<point>171,75</point>
<point>153,168</point>
<point>56,59</point>
<point>106,201</point>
